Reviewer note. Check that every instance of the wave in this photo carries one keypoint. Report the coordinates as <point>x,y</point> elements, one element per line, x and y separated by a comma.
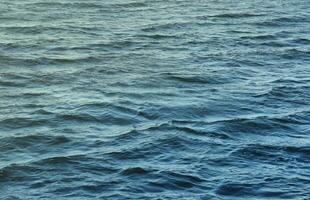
<point>9,143</point>
<point>294,53</point>
<point>21,122</point>
<point>273,154</point>
<point>198,79</point>
<point>166,26</point>
<point>280,21</point>
<point>235,15</point>
<point>130,4</point>
<point>78,5</point>
<point>250,190</point>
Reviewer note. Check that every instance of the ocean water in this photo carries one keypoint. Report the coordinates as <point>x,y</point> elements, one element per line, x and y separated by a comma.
<point>163,99</point>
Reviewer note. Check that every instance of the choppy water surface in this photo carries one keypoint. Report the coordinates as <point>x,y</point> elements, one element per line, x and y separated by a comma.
<point>155,99</point>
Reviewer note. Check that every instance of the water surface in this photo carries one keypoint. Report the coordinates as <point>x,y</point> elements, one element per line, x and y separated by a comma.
<point>155,99</point>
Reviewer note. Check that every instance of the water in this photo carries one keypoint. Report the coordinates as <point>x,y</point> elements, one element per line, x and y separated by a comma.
<point>155,99</point>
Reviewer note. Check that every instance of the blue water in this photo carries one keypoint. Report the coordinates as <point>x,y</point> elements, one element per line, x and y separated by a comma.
<point>165,99</point>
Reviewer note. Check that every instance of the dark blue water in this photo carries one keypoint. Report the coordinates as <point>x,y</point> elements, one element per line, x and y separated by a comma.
<point>156,99</point>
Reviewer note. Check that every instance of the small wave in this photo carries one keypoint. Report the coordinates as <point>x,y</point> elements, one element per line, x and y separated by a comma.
<point>79,5</point>
<point>283,91</point>
<point>128,135</point>
<point>167,26</point>
<point>230,189</point>
<point>175,181</point>
<point>68,60</point>
<point>117,108</point>
<point>25,29</point>
<point>35,61</point>
<point>157,36</point>
<point>250,190</point>
<point>280,21</point>
<point>235,15</point>
<point>11,83</point>
<point>107,117</point>
<point>294,53</point>
<point>302,41</point>
<point>169,112</point>
<point>262,124</point>
<point>22,122</point>
<point>60,160</point>
<point>130,4</point>
<point>42,111</point>
<point>273,154</point>
<point>28,141</point>
<point>135,171</point>
<point>260,37</point>
<point>9,60</point>
<point>174,127</point>
<point>153,150</point>
<point>114,44</point>
<point>195,79</point>
<point>16,172</point>
<point>289,81</point>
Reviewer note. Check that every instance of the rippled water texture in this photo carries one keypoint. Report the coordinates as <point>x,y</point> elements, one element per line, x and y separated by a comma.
<point>154,99</point>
